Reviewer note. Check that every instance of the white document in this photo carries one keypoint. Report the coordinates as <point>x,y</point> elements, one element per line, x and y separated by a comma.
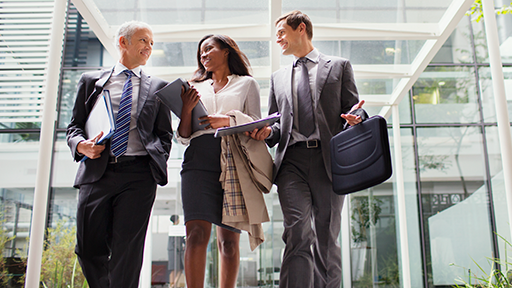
<point>101,119</point>
<point>258,124</point>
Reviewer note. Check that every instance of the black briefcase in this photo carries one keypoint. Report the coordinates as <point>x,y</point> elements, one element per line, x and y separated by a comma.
<point>360,156</point>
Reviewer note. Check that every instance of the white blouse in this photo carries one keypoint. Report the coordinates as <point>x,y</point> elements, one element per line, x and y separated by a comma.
<point>241,93</point>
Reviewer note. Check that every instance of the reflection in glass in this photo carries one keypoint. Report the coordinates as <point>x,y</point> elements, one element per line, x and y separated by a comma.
<point>374,255</point>
<point>18,155</point>
<point>446,95</point>
<point>499,196</point>
<point>69,82</point>
<point>504,23</point>
<point>457,48</point>
<point>455,202</point>
<point>372,52</point>
<point>486,87</point>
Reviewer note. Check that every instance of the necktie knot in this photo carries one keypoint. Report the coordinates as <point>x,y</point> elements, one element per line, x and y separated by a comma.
<point>301,61</point>
<point>128,73</point>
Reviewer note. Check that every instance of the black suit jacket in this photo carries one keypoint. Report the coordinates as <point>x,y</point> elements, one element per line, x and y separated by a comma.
<point>153,125</point>
<point>336,93</point>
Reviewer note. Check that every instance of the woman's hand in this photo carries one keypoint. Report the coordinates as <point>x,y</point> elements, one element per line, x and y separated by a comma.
<point>215,121</point>
<point>190,98</point>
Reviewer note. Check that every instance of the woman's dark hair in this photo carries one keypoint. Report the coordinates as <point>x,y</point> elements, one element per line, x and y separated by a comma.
<point>238,62</point>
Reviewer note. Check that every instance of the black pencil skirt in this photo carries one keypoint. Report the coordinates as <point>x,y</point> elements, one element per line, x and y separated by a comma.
<point>201,191</point>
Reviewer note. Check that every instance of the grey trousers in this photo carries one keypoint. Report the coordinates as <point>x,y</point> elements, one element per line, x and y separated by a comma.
<point>312,221</point>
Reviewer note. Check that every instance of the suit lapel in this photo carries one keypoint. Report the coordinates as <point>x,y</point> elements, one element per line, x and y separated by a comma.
<point>145,81</point>
<point>102,81</point>
<point>324,68</point>
<point>98,87</point>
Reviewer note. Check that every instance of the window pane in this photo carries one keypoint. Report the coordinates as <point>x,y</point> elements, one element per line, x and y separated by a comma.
<point>156,12</point>
<point>70,80</point>
<point>486,86</point>
<point>504,23</point>
<point>498,189</point>
<point>455,206</point>
<point>372,52</point>
<point>457,48</point>
<point>18,155</point>
<point>369,11</point>
<point>446,95</point>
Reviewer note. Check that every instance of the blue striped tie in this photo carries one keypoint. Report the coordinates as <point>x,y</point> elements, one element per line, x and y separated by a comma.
<point>120,138</point>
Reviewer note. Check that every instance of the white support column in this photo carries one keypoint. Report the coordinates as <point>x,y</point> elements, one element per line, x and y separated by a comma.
<point>400,191</point>
<point>275,52</point>
<point>346,262</point>
<point>46,142</point>
<point>500,100</point>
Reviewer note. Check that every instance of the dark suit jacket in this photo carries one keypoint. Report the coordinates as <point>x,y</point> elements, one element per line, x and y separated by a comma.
<point>153,125</point>
<point>336,92</point>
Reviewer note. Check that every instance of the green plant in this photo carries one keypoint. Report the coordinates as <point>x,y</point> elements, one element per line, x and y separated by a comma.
<point>60,267</point>
<point>362,207</point>
<point>477,13</point>
<point>498,278</point>
<point>4,238</point>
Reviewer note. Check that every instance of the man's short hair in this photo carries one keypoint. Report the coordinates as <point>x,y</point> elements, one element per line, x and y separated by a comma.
<point>294,18</point>
<point>127,29</point>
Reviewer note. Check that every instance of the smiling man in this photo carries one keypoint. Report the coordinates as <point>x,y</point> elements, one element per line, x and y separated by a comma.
<point>117,181</point>
<point>313,96</point>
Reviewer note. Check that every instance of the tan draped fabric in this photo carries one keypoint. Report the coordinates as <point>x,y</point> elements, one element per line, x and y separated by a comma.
<point>246,168</point>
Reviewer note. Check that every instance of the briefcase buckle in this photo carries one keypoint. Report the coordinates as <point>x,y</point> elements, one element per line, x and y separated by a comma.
<point>312,144</point>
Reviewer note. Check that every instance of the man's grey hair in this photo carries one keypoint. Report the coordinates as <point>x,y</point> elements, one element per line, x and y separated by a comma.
<point>127,29</point>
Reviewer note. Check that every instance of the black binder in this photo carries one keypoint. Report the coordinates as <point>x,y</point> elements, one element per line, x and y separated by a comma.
<point>360,156</point>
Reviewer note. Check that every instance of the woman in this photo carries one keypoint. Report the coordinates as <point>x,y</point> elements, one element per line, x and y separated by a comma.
<point>224,84</point>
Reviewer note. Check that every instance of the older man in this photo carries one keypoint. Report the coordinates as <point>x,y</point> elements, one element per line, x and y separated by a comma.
<point>117,181</point>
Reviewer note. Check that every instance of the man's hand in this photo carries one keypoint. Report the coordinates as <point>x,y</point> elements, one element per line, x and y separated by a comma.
<point>353,119</point>
<point>259,134</point>
<point>89,147</point>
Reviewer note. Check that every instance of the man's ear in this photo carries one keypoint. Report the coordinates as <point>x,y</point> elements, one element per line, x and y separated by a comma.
<point>302,27</point>
<point>123,41</point>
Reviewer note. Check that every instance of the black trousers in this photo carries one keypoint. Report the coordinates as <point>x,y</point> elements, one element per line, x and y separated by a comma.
<point>112,220</point>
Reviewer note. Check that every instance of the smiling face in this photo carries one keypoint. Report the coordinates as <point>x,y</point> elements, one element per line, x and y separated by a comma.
<point>213,56</point>
<point>288,39</point>
<point>136,52</point>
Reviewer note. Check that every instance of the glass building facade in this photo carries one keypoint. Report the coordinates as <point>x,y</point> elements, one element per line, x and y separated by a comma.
<point>454,191</point>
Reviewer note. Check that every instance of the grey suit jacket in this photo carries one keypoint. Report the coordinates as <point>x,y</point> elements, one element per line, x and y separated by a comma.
<point>153,125</point>
<point>336,92</point>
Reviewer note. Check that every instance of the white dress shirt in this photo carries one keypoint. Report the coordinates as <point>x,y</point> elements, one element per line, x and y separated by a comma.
<point>115,87</point>
<point>241,93</point>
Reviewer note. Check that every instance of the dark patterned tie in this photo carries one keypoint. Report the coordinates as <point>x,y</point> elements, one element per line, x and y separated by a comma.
<point>120,138</point>
<point>305,104</point>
